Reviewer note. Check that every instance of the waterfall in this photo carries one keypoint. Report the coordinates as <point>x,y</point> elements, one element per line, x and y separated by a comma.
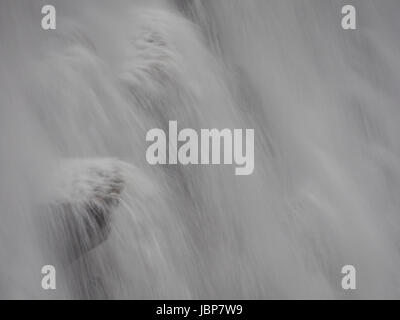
<point>77,192</point>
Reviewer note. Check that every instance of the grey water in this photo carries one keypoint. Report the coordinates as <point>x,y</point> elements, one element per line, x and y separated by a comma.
<point>324,104</point>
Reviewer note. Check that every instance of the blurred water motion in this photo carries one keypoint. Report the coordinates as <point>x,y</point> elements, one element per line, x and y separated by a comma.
<point>324,103</point>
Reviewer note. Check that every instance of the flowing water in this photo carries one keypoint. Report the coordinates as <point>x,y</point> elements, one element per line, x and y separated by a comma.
<point>324,103</point>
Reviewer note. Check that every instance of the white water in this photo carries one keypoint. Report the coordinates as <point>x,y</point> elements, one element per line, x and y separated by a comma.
<point>324,106</point>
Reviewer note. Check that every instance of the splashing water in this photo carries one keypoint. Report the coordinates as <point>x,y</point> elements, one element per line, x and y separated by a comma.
<point>324,106</point>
